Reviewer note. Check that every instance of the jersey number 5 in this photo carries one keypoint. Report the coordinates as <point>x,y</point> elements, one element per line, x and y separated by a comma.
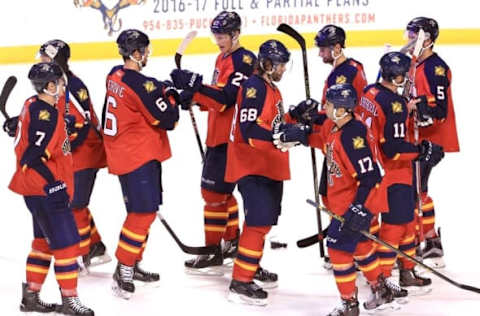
<point>110,124</point>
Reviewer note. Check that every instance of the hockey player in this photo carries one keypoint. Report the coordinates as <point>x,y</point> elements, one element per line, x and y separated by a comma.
<point>386,113</point>
<point>234,64</point>
<point>44,176</point>
<point>87,151</point>
<point>353,191</point>
<point>330,41</point>
<point>137,114</point>
<point>257,166</point>
<point>437,121</point>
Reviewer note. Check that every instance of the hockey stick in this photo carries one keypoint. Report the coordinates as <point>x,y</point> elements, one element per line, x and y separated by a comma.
<point>398,251</point>
<point>287,29</point>
<point>205,250</point>
<point>312,240</point>
<point>178,61</point>
<point>410,92</point>
<point>7,89</point>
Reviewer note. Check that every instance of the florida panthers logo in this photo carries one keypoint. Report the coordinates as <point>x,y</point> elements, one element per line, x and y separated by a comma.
<point>332,167</point>
<point>111,21</point>
<point>279,118</point>
<point>216,72</point>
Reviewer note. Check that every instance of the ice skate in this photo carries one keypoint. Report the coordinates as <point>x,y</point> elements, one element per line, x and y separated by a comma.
<point>327,265</point>
<point>71,305</point>
<point>381,298</point>
<point>230,248</point>
<point>31,302</point>
<point>247,293</point>
<point>265,278</point>
<point>416,285</point>
<point>348,307</point>
<point>433,252</point>
<point>206,264</point>
<point>400,295</point>
<point>96,256</point>
<point>123,285</point>
<point>145,278</point>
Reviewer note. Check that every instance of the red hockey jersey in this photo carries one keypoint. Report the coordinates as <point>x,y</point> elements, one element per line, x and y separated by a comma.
<point>219,98</point>
<point>250,148</point>
<point>433,79</point>
<point>42,149</point>
<point>135,120</point>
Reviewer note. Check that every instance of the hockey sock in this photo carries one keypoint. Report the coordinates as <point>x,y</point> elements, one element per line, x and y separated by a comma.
<point>232,224</point>
<point>391,234</point>
<point>250,251</point>
<point>407,245</point>
<point>344,272</point>
<point>83,226</point>
<point>428,219</point>
<point>367,260</point>
<point>140,255</point>
<point>375,226</point>
<point>215,215</point>
<point>94,235</point>
<point>132,237</point>
<point>38,263</point>
<point>66,267</point>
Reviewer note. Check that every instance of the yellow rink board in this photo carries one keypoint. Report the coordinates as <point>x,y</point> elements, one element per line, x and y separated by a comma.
<point>204,45</point>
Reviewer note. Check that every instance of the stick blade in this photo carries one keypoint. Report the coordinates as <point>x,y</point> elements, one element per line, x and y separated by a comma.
<point>186,41</point>
<point>287,29</point>
<point>7,89</point>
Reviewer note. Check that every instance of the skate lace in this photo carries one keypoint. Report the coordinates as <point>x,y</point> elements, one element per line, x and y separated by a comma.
<point>201,257</point>
<point>392,285</point>
<point>339,310</point>
<point>77,306</point>
<point>254,286</point>
<point>126,273</point>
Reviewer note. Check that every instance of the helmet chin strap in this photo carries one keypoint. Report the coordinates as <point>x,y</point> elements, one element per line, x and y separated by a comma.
<point>335,58</point>
<point>138,62</point>
<point>55,94</point>
<point>400,85</point>
<point>338,118</point>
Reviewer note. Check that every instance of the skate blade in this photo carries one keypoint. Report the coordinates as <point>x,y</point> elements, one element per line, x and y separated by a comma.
<point>328,266</point>
<point>119,292</point>
<point>242,299</point>
<point>82,271</point>
<point>96,261</point>
<point>39,314</point>
<point>418,290</point>
<point>266,285</point>
<point>146,285</point>
<point>435,263</point>
<point>384,308</point>
<point>402,300</point>
<point>210,271</point>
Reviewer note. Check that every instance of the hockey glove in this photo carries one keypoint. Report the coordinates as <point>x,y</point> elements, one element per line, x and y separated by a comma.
<point>305,112</point>
<point>430,153</point>
<point>357,218</point>
<point>70,123</point>
<point>424,113</point>
<point>297,133</point>
<point>170,93</point>
<point>186,97</point>
<point>57,196</point>
<point>10,126</point>
<point>186,80</point>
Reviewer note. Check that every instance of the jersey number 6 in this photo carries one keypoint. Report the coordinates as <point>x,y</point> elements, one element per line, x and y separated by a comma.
<point>110,129</point>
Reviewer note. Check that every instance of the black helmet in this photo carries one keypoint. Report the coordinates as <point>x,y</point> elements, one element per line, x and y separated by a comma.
<point>428,25</point>
<point>131,40</point>
<point>330,35</point>
<point>42,73</point>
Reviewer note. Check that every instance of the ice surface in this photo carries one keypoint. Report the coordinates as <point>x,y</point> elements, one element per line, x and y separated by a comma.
<point>305,288</point>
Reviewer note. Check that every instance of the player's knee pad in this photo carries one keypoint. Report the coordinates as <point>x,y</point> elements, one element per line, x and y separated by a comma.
<point>257,230</point>
<point>140,222</point>
<point>41,245</point>
<point>364,249</point>
<point>392,233</point>
<point>214,199</point>
<point>60,228</point>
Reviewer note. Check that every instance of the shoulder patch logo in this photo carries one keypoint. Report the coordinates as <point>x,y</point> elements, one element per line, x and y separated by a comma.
<point>44,115</point>
<point>149,86</point>
<point>251,93</point>
<point>82,94</point>
<point>341,79</point>
<point>397,107</point>
<point>247,59</point>
<point>439,71</point>
<point>358,142</point>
